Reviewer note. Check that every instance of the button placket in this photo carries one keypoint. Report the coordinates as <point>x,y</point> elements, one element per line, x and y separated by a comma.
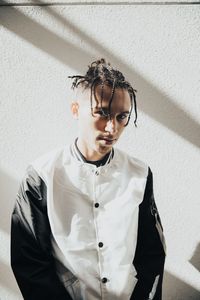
<point>102,250</point>
<point>96,211</point>
<point>100,245</point>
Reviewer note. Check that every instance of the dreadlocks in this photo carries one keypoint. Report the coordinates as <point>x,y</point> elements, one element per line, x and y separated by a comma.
<point>101,73</point>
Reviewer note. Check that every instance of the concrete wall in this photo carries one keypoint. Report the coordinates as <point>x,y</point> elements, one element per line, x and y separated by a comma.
<point>157,46</point>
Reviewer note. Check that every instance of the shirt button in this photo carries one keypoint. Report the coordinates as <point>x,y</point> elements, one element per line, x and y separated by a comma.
<point>97,173</point>
<point>96,205</point>
<point>100,244</point>
<point>104,280</point>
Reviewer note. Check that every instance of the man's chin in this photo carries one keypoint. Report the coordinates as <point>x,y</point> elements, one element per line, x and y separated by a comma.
<point>106,143</point>
<point>103,148</point>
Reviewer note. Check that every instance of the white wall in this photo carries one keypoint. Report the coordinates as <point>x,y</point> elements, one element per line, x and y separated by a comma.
<point>158,48</point>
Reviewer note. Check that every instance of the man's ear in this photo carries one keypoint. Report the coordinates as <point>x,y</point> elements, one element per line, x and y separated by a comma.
<point>75,109</point>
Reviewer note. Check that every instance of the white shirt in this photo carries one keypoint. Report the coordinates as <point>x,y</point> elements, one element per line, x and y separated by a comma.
<point>93,214</point>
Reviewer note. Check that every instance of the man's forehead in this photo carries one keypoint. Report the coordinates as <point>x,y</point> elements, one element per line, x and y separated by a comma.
<point>121,98</point>
<point>98,90</point>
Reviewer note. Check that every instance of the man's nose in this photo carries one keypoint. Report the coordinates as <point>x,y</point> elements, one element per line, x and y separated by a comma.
<point>111,126</point>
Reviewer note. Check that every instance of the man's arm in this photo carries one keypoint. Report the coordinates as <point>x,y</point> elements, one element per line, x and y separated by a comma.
<point>31,258</point>
<point>150,251</point>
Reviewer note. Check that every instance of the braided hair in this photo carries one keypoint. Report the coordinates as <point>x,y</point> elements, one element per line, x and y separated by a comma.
<point>101,73</point>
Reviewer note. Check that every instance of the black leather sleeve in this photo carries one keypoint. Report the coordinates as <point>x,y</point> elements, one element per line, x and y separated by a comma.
<point>150,251</point>
<point>31,259</point>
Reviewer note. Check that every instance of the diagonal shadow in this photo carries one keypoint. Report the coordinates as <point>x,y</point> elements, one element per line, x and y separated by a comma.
<point>42,38</point>
<point>154,103</point>
<point>176,289</point>
<point>195,259</point>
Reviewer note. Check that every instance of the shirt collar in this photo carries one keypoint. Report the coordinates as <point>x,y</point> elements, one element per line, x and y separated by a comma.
<point>76,153</point>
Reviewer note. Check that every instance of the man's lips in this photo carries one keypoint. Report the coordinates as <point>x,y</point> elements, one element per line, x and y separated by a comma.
<point>110,138</point>
<point>107,139</point>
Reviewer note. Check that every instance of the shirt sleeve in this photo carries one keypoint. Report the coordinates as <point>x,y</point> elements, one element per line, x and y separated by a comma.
<point>31,258</point>
<point>150,251</point>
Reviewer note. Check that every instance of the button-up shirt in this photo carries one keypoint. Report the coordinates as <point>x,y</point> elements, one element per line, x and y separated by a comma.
<point>93,215</point>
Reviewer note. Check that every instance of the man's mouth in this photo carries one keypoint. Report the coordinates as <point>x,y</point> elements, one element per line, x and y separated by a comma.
<point>107,140</point>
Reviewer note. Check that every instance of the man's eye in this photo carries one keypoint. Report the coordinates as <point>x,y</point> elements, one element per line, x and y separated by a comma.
<point>101,113</point>
<point>98,113</point>
<point>122,116</point>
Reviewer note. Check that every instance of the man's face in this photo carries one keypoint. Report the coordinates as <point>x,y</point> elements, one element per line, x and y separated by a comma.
<point>99,132</point>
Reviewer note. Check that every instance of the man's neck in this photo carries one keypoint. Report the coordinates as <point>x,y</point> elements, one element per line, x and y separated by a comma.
<point>89,155</point>
<point>103,161</point>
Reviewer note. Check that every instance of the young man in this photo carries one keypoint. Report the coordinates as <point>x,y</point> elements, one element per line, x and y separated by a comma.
<point>85,225</point>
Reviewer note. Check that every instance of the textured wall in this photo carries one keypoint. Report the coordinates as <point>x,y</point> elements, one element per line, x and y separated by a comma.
<point>158,48</point>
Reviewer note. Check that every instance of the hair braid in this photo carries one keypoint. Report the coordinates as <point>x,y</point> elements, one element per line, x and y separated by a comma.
<point>101,72</point>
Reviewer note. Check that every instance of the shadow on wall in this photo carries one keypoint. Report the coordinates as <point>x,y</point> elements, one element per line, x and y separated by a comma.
<point>176,289</point>
<point>155,104</point>
<point>195,259</point>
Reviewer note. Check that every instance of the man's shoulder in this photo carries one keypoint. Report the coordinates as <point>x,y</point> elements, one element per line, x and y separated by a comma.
<point>134,164</point>
<point>50,159</point>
